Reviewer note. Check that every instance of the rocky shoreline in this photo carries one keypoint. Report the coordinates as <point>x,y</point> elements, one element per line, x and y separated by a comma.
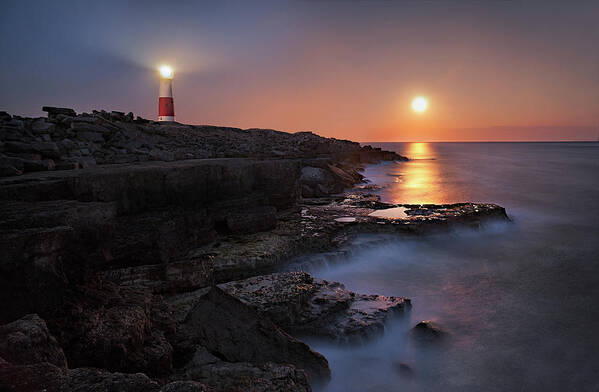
<point>143,256</point>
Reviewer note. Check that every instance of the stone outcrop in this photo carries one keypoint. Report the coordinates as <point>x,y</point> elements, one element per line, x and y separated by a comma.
<point>235,332</point>
<point>65,140</point>
<point>303,305</point>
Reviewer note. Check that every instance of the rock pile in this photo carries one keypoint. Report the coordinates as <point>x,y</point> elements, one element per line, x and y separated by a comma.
<point>66,140</point>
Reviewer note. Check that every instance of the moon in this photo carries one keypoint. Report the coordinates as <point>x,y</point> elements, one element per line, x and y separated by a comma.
<point>419,104</point>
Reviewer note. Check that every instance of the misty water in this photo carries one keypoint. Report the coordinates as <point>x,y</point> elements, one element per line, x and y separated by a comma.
<point>519,300</point>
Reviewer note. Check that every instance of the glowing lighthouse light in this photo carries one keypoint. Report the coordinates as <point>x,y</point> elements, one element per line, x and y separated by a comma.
<point>166,105</point>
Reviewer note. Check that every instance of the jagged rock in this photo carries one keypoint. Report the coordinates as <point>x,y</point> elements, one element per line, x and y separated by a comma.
<point>237,333</point>
<point>427,331</point>
<point>301,304</point>
<point>27,341</point>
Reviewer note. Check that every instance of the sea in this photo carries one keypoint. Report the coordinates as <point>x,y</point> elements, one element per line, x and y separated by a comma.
<point>518,300</point>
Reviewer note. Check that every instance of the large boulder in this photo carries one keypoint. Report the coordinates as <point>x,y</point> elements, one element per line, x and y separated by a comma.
<point>28,341</point>
<point>235,332</point>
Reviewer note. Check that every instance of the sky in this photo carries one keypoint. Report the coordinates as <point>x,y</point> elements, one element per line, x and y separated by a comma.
<point>492,70</point>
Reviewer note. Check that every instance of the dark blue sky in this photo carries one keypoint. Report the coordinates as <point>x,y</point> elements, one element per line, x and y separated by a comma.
<point>341,68</point>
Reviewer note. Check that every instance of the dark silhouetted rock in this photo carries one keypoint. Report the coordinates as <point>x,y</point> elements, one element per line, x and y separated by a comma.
<point>427,331</point>
<point>54,111</point>
<point>237,333</point>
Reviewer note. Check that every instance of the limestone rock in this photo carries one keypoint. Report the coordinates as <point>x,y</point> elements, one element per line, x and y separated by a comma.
<point>301,304</point>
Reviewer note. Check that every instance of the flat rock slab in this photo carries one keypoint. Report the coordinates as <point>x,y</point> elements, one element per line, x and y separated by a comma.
<point>325,224</point>
<point>302,304</point>
<point>361,212</point>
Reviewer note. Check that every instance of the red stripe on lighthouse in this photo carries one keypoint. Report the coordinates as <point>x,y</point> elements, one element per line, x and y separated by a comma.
<point>166,106</point>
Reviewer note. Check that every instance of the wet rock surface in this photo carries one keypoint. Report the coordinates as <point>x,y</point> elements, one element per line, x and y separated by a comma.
<point>307,306</point>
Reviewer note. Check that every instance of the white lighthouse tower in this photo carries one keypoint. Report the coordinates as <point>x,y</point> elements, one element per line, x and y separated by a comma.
<point>166,105</point>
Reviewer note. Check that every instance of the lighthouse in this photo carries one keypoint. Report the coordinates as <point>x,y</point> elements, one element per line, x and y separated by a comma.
<point>166,105</point>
